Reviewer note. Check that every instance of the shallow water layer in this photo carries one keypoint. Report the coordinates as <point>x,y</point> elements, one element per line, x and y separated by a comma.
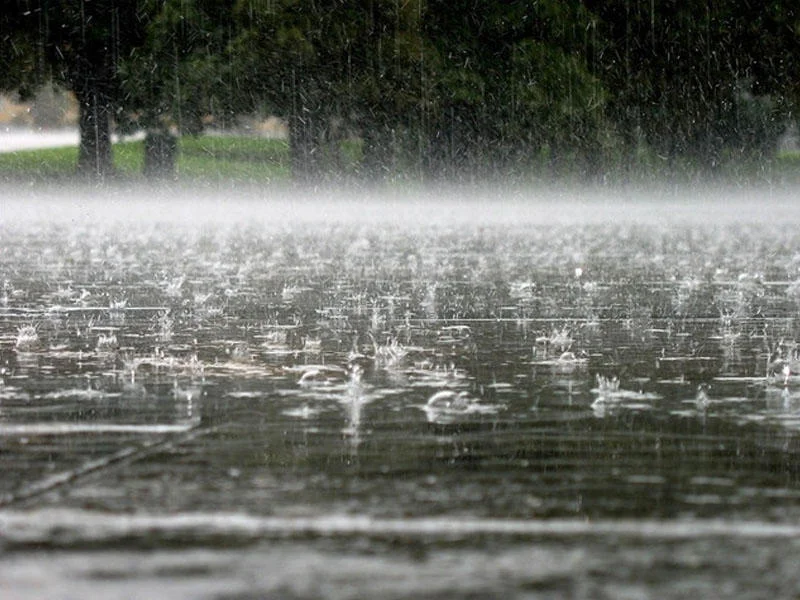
<point>611,560</point>
<point>374,401</point>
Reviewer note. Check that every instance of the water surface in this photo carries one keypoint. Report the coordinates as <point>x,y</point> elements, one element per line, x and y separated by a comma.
<point>513,397</point>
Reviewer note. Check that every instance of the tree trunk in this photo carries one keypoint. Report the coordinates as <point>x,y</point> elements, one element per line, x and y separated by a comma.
<point>377,161</point>
<point>95,159</point>
<point>160,153</point>
<point>304,148</point>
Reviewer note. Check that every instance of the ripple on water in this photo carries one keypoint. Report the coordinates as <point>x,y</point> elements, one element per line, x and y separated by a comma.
<point>324,369</point>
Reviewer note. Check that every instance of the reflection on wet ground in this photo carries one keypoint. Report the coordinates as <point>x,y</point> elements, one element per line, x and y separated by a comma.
<point>440,403</point>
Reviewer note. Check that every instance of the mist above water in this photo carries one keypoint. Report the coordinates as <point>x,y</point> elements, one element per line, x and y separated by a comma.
<point>437,205</point>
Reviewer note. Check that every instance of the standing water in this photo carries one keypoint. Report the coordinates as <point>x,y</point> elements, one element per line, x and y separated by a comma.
<point>379,397</point>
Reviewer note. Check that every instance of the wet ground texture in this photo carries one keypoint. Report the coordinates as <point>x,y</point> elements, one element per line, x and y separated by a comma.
<point>350,410</point>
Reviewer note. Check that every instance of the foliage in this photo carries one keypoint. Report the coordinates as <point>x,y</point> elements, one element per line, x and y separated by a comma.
<point>699,79</point>
<point>173,80</point>
<point>457,88</point>
<point>512,80</point>
<point>19,60</point>
<point>79,45</point>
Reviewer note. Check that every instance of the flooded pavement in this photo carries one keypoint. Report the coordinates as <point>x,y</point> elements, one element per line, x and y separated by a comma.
<point>508,403</point>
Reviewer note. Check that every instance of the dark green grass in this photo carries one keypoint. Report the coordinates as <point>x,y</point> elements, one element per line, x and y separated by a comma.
<point>788,167</point>
<point>47,163</point>
<point>236,149</point>
<point>200,159</point>
<point>213,159</point>
<point>217,158</point>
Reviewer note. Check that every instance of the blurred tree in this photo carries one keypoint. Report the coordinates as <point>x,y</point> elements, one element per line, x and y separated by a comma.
<point>78,44</point>
<point>322,66</point>
<point>767,90</point>
<point>699,80</point>
<point>513,87</point>
<point>174,81</point>
<point>389,84</point>
<point>278,67</point>
<point>456,88</point>
<point>21,61</point>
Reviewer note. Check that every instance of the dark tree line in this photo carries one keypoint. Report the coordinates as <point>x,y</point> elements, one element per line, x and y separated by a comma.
<point>457,88</point>
<point>79,44</point>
